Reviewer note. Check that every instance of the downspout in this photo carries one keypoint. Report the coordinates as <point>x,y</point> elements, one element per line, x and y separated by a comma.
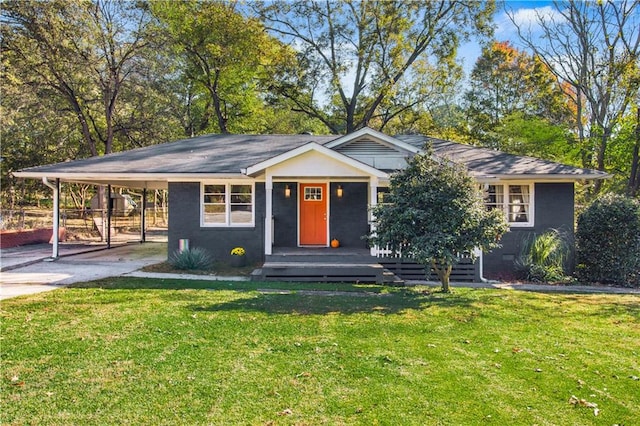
<point>480,260</point>
<point>56,215</point>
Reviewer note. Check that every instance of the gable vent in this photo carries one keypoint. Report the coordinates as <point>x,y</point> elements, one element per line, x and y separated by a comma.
<point>366,147</point>
<point>375,154</point>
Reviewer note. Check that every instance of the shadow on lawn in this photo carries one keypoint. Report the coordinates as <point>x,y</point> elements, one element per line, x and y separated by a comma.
<point>297,304</point>
<point>602,306</point>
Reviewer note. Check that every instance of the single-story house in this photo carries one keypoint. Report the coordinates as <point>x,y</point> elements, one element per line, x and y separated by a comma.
<point>279,194</point>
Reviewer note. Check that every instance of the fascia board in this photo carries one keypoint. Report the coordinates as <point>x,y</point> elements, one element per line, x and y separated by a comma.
<point>156,177</point>
<point>549,177</point>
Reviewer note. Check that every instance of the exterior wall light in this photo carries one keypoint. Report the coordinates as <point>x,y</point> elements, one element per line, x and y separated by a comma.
<point>339,192</point>
<point>287,191</point>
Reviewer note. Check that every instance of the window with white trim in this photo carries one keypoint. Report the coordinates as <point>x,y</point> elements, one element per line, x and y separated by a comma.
<point>227,204</point>
<point>516,201</point>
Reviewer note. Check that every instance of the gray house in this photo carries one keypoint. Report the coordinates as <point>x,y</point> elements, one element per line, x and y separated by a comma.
<point>284,197</point>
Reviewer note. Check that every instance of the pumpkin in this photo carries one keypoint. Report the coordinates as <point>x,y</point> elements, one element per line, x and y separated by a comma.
<point>335,243</point>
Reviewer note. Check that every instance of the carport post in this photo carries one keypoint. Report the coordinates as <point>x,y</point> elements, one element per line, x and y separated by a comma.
<point>109,216</point>
<point>56,214</point>
<point>143,215</point>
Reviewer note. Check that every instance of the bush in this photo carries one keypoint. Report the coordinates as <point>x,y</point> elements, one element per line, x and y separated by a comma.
<point>608,241</point>
<point>543,257</point>
<point>192,259</point>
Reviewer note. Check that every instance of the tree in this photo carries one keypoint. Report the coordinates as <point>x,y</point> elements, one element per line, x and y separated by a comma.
<point>506,82</point>
<point>82,52</point>
<point>593,48</point>
<point>623,159</point>
<point>433,213</point>
<point>358,60</point>
<point>224,63</point>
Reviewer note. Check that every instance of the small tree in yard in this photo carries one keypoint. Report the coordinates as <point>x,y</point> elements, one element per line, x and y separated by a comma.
<point>433,212</point>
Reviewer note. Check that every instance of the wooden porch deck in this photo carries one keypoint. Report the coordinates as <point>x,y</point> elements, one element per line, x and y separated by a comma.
<point>325,264</point>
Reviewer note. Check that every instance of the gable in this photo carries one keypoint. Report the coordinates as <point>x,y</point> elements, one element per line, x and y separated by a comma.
<point>315,164</point>
<point>313,160</point>
<point>375,153</point>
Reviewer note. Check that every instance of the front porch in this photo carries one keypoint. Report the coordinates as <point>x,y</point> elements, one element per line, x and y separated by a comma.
<point>325,264</point>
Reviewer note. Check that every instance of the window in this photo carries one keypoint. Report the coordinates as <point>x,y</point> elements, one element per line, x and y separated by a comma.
<point>313,193</point>
<point>516,201</point>
<point>227,205</point>
<point>382,193</point>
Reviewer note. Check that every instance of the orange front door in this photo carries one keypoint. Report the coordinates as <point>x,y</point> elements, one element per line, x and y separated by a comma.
<point>313,214</point>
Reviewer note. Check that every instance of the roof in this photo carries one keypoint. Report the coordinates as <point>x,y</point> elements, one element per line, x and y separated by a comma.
<point>489,163</point>
<point>230,155</point>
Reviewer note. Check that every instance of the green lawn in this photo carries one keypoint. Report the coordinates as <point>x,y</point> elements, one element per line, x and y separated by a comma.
<point>140,351</point>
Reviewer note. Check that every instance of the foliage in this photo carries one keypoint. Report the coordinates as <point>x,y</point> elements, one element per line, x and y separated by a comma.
<point>608,241</point>
<point>433,212</point>
<point>507,82</point>
<point>362,63</point>
<point>593,48</point>
<point>225,63</point>
<point>88,55</point>
<point>543,257</point>
<point>535,136</point>
<point>413,357</point>
<point>193,258</point>
<point>624,156</point>
<point>79,78</point>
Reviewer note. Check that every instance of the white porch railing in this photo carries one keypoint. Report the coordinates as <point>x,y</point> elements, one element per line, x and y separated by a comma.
<point>385,251</point>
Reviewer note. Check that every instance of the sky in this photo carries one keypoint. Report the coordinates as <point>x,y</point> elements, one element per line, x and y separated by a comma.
<point>525,13</point>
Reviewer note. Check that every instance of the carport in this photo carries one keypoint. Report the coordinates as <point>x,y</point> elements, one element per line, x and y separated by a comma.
<point>53,178</point>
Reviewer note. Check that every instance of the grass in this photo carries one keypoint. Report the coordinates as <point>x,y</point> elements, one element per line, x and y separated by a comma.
<point>103,353</point>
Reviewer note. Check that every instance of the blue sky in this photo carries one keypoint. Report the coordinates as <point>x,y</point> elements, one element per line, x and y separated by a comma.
<point>524,12</point>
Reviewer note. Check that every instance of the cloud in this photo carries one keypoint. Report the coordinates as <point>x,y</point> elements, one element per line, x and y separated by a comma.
<point>526,18</point>
<point>532,16</point>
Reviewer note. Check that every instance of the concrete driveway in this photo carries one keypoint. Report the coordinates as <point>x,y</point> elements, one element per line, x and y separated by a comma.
<point>38,275</point>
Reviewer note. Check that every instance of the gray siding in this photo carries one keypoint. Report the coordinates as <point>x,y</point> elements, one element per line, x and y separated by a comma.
<point>285,215</point>
<point>553,209</point>
<point>184,222</point>
<point>348,215</point>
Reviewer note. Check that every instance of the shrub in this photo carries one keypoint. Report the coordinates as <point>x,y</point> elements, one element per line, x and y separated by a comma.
<point>192,259</point>
<point>608,241</point>
<point>543,257</point>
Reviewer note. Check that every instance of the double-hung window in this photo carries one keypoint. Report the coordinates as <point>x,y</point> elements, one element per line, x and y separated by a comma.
<point>227,204</point>
<point>515,200</point>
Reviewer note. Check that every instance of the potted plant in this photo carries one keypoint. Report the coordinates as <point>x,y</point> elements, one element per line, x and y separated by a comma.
<point>238,257</point>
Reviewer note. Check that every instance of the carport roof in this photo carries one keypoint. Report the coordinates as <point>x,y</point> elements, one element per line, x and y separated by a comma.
<point>227,155</point>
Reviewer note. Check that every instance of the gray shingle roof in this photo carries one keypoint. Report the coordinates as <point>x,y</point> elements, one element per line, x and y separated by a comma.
<point>488,162</point>
<point>202,154</point>
<point>230,154</point>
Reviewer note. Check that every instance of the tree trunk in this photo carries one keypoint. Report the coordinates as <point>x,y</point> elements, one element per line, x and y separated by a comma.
<point>444,272</point>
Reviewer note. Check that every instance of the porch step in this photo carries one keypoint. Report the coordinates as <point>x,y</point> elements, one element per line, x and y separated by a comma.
<point>391,279</point>
<point>320,272</point>
<point>320,255</point>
